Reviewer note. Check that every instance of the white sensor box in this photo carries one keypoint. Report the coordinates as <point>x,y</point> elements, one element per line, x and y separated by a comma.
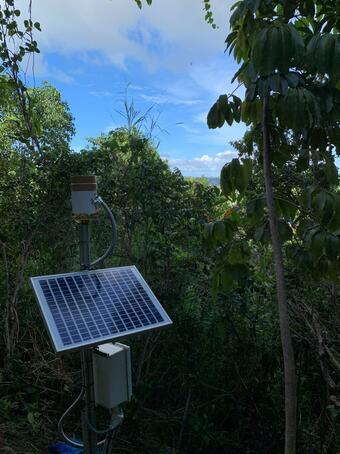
<point>82,202</point>
<point>84,191</point>
<point>112,374</point>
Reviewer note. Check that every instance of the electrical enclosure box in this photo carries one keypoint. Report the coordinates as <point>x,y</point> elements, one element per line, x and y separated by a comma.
<point>84,191</point>
<point>112,374</point>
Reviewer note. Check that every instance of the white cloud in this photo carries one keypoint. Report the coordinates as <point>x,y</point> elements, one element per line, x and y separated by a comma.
<point>60,75</point>
<point>207,165</point>
<point>214,77</point>
<point>200,118</point>
<point>189,129</point>
<point>200,134</point>
<point>101,94</point>
<point>168,99</point>
<point>170,34</point>
<point>210,137</point>
<point>134,87</point>
<point>38,66</point>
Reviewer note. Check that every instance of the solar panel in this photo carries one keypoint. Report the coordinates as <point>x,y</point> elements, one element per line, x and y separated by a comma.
<point>93,307</point>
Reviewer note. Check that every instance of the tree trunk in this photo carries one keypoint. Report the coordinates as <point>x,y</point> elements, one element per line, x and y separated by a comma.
<point>286,339</point>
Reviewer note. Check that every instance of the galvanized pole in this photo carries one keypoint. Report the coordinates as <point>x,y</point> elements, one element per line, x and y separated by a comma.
<point>88,411</point>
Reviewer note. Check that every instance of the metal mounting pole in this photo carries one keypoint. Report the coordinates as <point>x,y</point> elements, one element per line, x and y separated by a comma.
<point>88,411</point>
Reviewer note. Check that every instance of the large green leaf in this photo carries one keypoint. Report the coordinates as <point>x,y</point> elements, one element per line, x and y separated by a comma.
<point>255,209</point>
<point>311,51</point>
<point>259,52</point>
<point>251,112</point>
<point>286,50</point>
<point>251,92</point>
<point>246,73</point>
<point>335,68</point>
<point>236,108</point>
<point>299,109</point>
<point>224,110</point>
<point>273,55</point>
<point>323,206</point>
<point>298,45</point>
<point>285,208</point>
<point>215,118</point>
<point>240,9</point>
<point>323,54</point>
<point>317,244</point>
<point>226,180</point>
<point>277,47</point>
<point>235,176</point>
<point>262,232</point>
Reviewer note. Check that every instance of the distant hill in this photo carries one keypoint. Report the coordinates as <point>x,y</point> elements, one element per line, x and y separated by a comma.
<point>214,181</point>
<point>211,181</point>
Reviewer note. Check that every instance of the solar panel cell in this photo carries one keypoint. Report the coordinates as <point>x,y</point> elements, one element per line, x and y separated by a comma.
<point>92,307</point>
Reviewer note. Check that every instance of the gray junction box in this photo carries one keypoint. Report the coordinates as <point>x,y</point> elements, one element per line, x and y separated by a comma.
<point>112,374</point>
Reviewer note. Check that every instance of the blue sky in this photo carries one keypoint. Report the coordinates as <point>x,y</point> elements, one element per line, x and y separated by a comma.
<point>96,52</point>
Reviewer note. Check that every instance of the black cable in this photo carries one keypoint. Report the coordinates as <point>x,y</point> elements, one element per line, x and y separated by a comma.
<point>99,431</point>
<point>116,421</point>
<point>108,441</point>
<point>99,201</point>
<point>61,420</point>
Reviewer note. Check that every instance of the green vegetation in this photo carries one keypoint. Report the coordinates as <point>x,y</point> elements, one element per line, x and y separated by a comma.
<point>219,260</point>
<point>288,52</point>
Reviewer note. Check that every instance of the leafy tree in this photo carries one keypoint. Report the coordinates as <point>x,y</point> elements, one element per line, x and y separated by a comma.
<point>161,215</point>
<point>34,187</point>
<point>148,197</point>
<point>289,93</point>
<point>17,43</point>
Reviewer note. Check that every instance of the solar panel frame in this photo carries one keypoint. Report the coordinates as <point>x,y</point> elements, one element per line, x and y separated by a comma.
<point>50,321</point>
